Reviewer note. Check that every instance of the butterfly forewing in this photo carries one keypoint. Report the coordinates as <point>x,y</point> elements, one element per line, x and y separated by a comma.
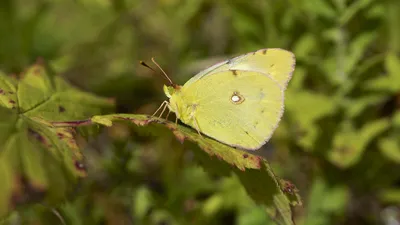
<point>278,63</point>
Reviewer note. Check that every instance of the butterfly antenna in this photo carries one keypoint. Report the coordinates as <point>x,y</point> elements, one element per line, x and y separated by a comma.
<point>147,66</point>
<point>165,74</point>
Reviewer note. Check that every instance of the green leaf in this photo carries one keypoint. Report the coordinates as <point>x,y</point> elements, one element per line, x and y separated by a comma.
<point>349,143</point>
<point>390,82</point>
<point>38,161</point>
<point>352,10</point>
<point>325,200</point>
<point>253,171</point>
<point>8,98</point>
<point>390,148</point>
<point>305,45</point>
<point>390,196</point>
<point>396,119</point>
<point>320,8</point>
<point>355,107</point>
<point>305,109</point>
<point>52,98</point>
<point>357,50</point>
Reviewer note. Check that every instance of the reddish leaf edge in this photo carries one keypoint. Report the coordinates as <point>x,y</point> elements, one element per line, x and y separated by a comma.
<point>288,188</point>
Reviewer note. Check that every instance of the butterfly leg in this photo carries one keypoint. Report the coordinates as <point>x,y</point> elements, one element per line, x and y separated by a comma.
<point>197,126</point>
<point>169,112</point>
<point>165,106</point>
<point>164,103</point>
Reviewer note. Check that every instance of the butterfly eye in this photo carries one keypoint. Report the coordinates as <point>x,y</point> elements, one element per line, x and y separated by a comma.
<point>237,98</point>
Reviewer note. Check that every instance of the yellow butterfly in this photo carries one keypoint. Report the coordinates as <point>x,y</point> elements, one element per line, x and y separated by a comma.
<point>238,102</point>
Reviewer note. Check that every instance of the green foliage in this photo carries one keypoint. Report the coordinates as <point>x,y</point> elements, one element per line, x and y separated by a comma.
<point>337,144</point>
<point>38,160</point>
<point>253,171</point>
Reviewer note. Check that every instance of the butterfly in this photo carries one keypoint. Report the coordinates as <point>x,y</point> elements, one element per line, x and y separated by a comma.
<point>238,102</point>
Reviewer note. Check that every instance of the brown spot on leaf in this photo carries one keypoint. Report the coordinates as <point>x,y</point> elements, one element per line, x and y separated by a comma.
<point>288,187</point>
<point>264,51</point>
<point>40,61</point>
<point>37,71</point>
<point>344,150</point>
<point>234,72</point>
<point>190,205</point>
<point>37,136</point>
<point>257,160</point>
<point>10,92</point>
<point>143,122</point>
<point>111,100</point>
<point>80,166</point>
<point>245,156</point>
<point>25,192</point>
<point>11,102</point>
<point>1,92</point>
<point>60,135</point>
<point>61,109</point>
<point>179,135</point>
<point>136,121</point>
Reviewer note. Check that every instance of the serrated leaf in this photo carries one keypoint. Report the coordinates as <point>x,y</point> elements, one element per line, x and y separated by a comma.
<point>52,98</point>
<point>8,98</point>
<point>253,171</point>
<point>39,161</point>
<point>34,161</point>
<point>34,88</point>
<point>349,143</point>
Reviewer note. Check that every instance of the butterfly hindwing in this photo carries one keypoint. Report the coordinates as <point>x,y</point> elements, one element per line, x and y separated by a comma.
<point>247,123</point>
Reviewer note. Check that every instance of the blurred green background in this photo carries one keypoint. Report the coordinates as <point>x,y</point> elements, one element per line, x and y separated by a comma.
<point>338,141</point>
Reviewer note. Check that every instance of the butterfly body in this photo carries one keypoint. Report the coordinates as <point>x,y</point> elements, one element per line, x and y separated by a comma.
<point>238,102</point>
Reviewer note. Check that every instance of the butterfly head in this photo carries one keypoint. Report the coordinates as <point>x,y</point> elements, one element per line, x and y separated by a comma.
<point>172,92</point>
<point>168,90</point>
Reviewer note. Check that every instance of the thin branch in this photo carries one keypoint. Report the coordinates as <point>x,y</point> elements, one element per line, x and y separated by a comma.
<point>76,123</point>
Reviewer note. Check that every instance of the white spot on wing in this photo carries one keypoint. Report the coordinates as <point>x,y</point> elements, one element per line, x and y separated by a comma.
<point>235,98</point>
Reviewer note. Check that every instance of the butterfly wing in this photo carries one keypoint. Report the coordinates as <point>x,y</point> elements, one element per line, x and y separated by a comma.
<point>239,108</point>
<point>277,63</point>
